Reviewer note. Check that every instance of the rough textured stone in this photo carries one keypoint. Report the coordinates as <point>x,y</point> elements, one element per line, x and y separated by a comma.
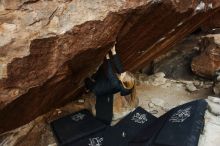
<point>208,62</point>
<point>191,87</point>
<point>176,64</point>
<point>212,23</point>
<point>47,48</point>
<point>216,89</point>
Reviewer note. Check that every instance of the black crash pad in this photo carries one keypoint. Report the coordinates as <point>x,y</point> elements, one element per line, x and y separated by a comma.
<point>125,130</point>
<point>95,139</point>
<point>181,126</point>
<point>75,126</point>
<point>184,125</point>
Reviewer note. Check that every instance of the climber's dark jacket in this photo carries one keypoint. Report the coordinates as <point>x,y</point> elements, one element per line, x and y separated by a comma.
<point>104,86</point>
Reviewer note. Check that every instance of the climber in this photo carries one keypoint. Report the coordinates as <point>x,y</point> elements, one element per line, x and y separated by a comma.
<point>105,83</point>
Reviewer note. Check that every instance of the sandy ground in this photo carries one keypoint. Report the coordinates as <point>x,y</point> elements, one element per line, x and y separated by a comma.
<point>156,94</point>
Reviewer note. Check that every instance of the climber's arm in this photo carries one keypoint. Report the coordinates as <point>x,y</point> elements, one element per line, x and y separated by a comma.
<point>110,74</point>
<point>117,61</point>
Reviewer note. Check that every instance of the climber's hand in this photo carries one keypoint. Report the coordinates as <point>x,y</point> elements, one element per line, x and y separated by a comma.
<point>107,56</point>
<point>86,90</point>
<point>113,50</point>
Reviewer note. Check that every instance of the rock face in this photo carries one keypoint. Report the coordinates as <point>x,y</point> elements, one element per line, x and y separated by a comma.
<point>212,23</point>
<point>176,64</point>
<point>208,62</point>
<point>47,48</point>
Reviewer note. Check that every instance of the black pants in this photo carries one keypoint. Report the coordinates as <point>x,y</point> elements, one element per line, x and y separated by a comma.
<point>104,109</point>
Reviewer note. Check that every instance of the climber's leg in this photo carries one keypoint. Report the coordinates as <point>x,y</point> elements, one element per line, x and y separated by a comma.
<point>104,109</point>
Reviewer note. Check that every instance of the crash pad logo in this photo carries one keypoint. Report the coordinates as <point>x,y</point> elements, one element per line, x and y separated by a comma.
<point>97,141</point>
<point>139,118</point>
<point>78,117</point>
<point>181,115</point>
